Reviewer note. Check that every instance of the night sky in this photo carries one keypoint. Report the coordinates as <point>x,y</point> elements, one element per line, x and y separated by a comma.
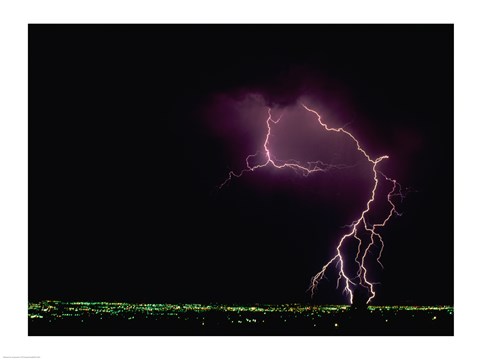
<point>133,128</point>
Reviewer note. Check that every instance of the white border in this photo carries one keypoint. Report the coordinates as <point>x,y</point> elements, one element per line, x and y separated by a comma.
<point>14,17</point>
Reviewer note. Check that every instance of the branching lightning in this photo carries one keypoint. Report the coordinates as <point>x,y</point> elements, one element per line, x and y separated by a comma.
<point>358,228</point>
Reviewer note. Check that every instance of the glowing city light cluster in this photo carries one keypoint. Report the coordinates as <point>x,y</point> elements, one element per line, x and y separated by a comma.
<point>56,310</point>
<point>358,225</point>
<point>113,318</point>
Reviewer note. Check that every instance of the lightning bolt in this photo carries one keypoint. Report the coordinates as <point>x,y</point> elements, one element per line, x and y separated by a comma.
<point>360,224</point>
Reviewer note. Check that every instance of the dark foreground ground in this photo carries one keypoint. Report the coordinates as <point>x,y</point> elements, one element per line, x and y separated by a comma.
<point>102,318</point>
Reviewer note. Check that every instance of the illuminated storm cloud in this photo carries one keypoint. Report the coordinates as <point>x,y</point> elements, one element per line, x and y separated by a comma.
<point>304,123</point>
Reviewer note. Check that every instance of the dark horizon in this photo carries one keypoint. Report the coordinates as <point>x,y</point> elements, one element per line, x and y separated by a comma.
<point>312,303</point>
<point>125,125</point>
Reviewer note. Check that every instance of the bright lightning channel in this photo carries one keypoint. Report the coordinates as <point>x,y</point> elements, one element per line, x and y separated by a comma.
<point>359,224</point>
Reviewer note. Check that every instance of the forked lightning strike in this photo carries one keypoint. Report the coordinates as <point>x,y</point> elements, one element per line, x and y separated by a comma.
<point>359,224</point>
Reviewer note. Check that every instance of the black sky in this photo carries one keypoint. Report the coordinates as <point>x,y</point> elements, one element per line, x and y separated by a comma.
<point>124,160</point>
